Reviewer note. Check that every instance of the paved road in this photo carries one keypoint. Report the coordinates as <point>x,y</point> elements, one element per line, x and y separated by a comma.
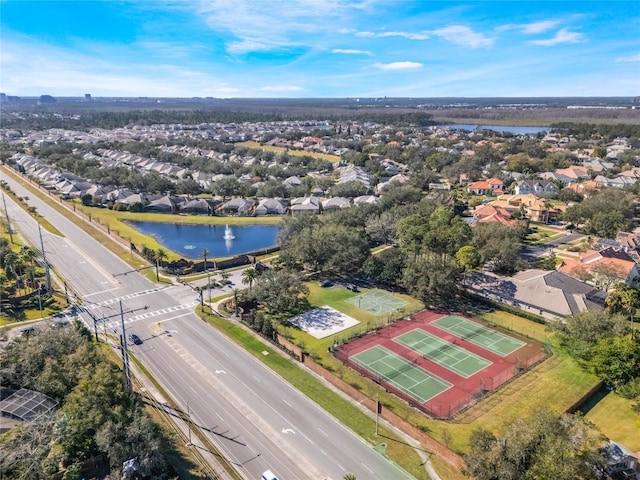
<point>251,414</point>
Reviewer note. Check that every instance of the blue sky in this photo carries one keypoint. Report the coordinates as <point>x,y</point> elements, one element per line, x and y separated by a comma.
<point>320,48</point>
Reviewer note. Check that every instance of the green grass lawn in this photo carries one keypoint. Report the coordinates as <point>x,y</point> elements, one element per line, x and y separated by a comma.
<point>297,153</point>
<point>615,418</point>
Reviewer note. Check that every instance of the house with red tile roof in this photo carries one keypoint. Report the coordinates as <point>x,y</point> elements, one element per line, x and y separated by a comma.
<point>604,268</point>
<point>491,214</point>
<point>491,186</point>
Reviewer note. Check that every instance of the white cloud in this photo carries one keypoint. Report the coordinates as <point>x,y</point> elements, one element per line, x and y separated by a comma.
<point>463,36</point>
<point>632,58</point>
<point>277,24</point>
<point>457,34</point>
<point>396,66</point>
<point>407,35</point>
<point>531,28</point>
<point>563,36</point>
<point>281,88</point>
<point>539,27</point>
<point>348,51</point>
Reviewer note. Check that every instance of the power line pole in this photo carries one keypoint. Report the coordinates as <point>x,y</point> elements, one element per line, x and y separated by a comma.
<point>125,351</point>
<point>44,259</point>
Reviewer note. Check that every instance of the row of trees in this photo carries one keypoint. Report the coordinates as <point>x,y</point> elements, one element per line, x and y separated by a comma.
<point>96,413</point>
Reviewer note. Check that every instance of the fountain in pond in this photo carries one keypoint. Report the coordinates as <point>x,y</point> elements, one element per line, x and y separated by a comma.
<point>228,234</point>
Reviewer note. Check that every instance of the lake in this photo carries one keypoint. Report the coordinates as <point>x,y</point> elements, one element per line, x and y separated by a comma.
<point>189,240</point>
<point>501,129</point>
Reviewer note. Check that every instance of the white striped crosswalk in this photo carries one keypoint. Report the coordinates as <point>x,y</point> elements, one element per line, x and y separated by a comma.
<point>114,323</point>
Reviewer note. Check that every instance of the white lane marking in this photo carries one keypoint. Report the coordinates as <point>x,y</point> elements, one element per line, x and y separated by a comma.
<point>288,430</point>
<point>173,318</point>
<point>257,379</point>
<point>366,467</point>
<point>103,291</point>
<point>220,372</point>
<point>323,432</point>
<point>286,403</point>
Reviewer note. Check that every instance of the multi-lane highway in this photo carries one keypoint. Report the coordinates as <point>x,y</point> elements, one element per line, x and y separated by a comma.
<point>256,419</point>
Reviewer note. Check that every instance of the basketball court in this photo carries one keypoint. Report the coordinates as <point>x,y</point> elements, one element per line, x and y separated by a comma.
<point>377,302</point>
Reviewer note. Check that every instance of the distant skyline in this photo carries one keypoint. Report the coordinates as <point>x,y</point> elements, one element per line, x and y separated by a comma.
<point>320,48</point>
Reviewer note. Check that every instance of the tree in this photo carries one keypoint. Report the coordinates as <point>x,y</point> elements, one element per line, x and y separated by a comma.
<point>431,279</point>
<point>249,276</point>
<point>281,293</point>
<point>616,360</point>
<point>204,253</point>
<point>580,332</point>
<point>159,257</point>
<point>382,228</point>
<point>623,298</point>
<point>537,447</point>
<point>326,248</point>
<point>225,187</point>
<point>498,245</point>
<point>468,258</point>
<point>605,274</point>
<point>385,267</point>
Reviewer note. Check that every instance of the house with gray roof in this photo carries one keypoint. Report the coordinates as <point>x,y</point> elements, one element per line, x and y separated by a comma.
<point>270,206</point>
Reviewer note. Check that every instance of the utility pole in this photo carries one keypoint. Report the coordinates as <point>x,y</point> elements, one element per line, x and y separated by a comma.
<point>125,352</point>
<point>6,214</point>
<point>44,259</point>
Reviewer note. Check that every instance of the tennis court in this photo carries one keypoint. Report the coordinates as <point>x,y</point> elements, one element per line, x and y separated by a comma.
<point>479,335</point>
<point>401,373</point>
<point>454,358</point>
<point>377,301</point>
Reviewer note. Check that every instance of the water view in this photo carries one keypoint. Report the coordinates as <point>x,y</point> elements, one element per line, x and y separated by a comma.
<point>501,129</point>
<point>189,240</point>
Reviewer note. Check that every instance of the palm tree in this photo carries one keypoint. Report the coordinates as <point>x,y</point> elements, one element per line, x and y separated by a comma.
<point>349,476</point>
<point>159,256</point>
<point>204,253</point>
<point>249,276</point>
<point>12,265</point>
<point>27,255</point>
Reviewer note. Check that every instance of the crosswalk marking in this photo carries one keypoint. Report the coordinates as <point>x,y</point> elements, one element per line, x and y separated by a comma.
<point>111,301</point>
<point>115,322</point>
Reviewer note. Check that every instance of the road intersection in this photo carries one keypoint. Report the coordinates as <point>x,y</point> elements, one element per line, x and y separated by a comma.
<point>255,419</point>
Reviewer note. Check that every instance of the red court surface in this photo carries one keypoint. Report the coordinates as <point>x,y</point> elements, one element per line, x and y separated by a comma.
<point>464,392</point>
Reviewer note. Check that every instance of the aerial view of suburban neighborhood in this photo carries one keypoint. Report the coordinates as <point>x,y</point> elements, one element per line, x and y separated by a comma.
<point>227,253</point>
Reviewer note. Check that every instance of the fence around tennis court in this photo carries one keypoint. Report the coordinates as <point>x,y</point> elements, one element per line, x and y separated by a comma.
<point>466,398</point>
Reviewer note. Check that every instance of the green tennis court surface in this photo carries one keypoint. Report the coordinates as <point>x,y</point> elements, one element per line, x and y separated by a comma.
<point>401,373</point>
<point>377,301</point>
<point>454,358</point>
<point>482,336</point>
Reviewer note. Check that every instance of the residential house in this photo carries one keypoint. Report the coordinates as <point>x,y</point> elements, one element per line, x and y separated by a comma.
<point>537,187</point>
<point>198,206</point>
<point>530,206</point>
<point>305,205</point>
<point>164,204</point>
<point>620,459</point>
<point>384,182</point>
<point>270,206</point>
<point>629,241</point>
<point>491,186</point>
<point>493,214</point>
<point>604,268</point>
<point>335,203</point>
<point>370,199</point>
<point>237,206</point>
